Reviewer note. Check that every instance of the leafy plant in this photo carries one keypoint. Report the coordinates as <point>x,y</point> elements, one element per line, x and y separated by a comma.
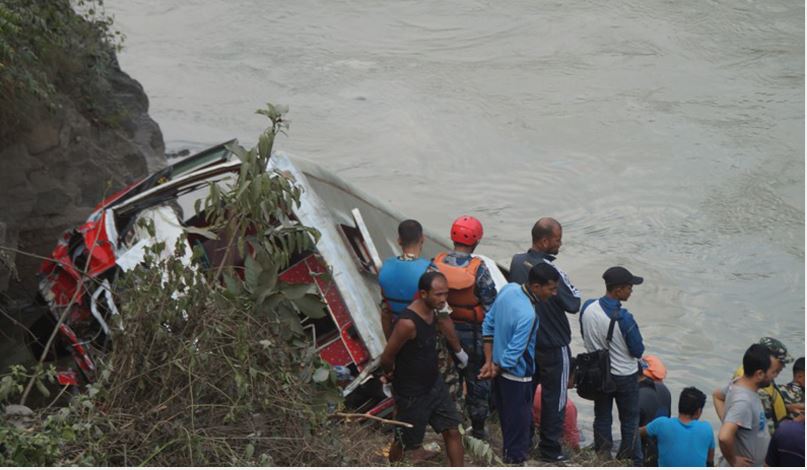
<point>207,366</point>
<point>48,49</point>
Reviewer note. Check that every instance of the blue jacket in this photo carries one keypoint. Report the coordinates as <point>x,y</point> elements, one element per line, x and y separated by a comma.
<point>399,281</point>
<point>627,325</point>
<point>512,323</point>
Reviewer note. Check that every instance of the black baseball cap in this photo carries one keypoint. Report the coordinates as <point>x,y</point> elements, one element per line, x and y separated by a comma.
<point>618,275</point>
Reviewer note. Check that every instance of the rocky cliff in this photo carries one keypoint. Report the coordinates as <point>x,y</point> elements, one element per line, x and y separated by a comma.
<point>64,157</point>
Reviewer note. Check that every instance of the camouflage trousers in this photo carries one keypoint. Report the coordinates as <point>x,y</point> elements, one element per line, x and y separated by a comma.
<point>449,372</point>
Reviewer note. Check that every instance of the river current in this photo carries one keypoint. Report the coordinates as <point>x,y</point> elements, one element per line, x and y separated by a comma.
<point>666,136</point>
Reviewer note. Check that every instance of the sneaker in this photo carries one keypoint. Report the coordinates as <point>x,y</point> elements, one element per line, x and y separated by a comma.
<point>479,434</point>
<point>478,431</point>
<point>559,458</point>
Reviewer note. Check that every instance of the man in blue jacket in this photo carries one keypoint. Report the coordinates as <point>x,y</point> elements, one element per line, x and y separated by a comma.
<point>625,348</point>
<point>552,352</point>
<point>509,333</point>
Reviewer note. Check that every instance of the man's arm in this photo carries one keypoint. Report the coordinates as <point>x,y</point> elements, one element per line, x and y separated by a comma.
<point>519,341</point>
<point>633,337</point>
<point>386,319</point>
<point>710,458</point>
<point>650,429</point>
<point>489,370</point>
<point>568,296</point>
<point>446,326</point>
<point>485,288</point>
<point>728,432</point>
<point>719,400</point>
<point>404,331</point>
<point>795,408</point>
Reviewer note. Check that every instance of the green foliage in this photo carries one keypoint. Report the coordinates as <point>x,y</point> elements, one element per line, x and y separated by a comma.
<point>11,383</point>
<point>208,367</point>
<point>47,48</point>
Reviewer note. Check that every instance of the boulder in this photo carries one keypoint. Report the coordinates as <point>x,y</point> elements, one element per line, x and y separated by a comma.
<point>60,168</point>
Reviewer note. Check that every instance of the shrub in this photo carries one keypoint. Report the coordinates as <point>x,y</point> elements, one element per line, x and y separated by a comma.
<point>47,49</point>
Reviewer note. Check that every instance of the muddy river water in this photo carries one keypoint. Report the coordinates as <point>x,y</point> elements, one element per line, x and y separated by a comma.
<point>665,136</point>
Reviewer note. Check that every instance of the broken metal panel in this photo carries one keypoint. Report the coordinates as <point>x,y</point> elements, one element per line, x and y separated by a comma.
<point>353,286</point>
<point>381,220</point>
<point>204,175</point>
<point>167,229</point>
<point>368,239</point>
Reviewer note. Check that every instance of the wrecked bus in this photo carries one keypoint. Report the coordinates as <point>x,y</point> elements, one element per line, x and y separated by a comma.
<point>357,233</point>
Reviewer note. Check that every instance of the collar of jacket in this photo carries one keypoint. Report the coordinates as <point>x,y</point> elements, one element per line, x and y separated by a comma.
<point>535,300</point>
<point>610,305</point>
<point>541,254</point>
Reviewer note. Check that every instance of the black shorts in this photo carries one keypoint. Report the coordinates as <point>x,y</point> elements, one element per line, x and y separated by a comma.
<point>435,408</point>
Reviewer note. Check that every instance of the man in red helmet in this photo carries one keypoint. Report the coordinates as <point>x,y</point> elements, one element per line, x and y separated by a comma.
<point>471,293</point>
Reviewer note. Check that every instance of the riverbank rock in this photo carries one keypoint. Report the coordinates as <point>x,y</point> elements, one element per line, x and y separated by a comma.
<point>58,169</point>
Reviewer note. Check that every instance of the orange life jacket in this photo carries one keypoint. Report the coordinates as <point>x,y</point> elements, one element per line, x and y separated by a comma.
<point>461,283</point>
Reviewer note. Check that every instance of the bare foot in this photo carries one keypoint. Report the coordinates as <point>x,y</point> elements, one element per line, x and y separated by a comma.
<point>420,454</point>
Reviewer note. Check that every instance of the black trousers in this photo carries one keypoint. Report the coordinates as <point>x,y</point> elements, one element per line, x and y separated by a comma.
<point>552,372</point>
<point>513,400</point>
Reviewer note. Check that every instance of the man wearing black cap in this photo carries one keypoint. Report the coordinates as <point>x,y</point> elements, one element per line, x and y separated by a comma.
<point>626,348</point>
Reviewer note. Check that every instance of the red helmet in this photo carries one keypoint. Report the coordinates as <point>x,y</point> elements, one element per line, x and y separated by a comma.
<point>466,230</point>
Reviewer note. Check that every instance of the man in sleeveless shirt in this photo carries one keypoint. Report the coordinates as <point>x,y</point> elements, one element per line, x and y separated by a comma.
<point>410,360</point>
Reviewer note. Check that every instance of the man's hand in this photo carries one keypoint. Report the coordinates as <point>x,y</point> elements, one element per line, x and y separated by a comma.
<point>462,358</point>
<point>795,408</point>
<point>740,461</point>
<point>719,401</point>
<point>488,371</point>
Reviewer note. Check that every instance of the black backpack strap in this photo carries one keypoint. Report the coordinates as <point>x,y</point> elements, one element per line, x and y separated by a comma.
<point>611,330</point>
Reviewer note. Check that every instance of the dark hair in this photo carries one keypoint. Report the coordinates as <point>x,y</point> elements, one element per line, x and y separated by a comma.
<point>410,231</point>
<point>757,357</point>
<point>613,287</point>
<point>427,279</point>
<point>690,401</point>
<point>542,273</point>
<point>798,366</point>
<point>543,228</point>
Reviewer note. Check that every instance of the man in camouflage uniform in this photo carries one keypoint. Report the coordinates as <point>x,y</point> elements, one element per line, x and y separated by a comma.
<point>771,397</point>
<point>793,393</point>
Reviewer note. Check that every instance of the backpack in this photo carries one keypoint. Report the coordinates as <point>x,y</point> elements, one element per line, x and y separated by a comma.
<point>592,376</point>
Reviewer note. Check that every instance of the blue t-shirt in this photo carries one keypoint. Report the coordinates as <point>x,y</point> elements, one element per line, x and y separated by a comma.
<point>681,444</point>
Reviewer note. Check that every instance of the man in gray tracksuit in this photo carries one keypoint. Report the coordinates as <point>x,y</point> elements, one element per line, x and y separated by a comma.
<point>552,353</point>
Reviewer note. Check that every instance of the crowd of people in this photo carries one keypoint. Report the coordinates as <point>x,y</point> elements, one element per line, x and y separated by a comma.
<point>511,351</point>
